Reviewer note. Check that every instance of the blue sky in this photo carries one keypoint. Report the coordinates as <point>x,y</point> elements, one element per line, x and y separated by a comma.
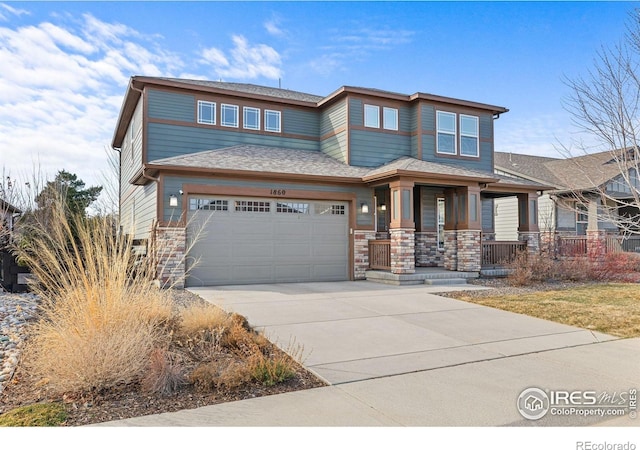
<point>64,66</point>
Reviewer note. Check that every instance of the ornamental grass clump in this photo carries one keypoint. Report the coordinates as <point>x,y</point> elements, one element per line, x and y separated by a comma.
<point>101,316</point>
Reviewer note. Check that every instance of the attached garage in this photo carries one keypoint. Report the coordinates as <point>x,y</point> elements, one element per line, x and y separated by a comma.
<point>241,240</point>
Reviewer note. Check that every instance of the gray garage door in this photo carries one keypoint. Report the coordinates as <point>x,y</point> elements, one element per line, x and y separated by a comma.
<point>255,240</point>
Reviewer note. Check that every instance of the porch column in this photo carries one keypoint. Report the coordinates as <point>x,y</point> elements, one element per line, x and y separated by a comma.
<point>402,227</point>
<point>469,229</point>
<point>596,238</point>
<point>528,230</point>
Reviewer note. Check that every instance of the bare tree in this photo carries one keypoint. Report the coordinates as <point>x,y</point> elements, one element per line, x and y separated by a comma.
<point>605,105</point>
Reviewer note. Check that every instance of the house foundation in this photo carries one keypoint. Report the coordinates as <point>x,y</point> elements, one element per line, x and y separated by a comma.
<point>170,252</point>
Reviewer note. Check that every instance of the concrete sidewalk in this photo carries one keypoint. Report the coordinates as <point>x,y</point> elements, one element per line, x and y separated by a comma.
<point>404,356</point>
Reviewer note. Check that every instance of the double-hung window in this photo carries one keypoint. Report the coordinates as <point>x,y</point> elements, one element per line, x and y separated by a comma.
<point>229,115</point>
<point>446,140</point>
<point>251,118</point>
<point>272,121</point>
<point>206,112</point>
<point>469,136</point>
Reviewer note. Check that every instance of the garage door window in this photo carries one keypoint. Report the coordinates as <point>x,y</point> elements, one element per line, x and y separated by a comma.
<point>251,206</point>
<point>329,208</point>
<point>292,207</point>
<point>208,204</point>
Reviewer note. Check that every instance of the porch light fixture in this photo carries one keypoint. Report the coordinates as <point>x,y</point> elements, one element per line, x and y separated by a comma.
<point>383,207</point>
<point>364,208</point>
<point>173,201</point>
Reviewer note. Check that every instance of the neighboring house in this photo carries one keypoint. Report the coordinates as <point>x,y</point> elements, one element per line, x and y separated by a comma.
<point>576,200</point>
<point>8,213</point>
<point>255,184</point>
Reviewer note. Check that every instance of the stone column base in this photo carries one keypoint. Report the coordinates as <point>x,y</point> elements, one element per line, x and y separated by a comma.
<point>469,251</point>
<point>426,248</point>
<point>532,238</point>
<point>403,250</point>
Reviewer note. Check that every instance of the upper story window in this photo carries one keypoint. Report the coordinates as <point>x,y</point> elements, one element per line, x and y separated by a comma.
<point>206,112</point>
<point>389,118</point>
<point>446,140</point>
<point>229,116</point>
<point>251,118</point>
<point>272,121</point>
<point>371,116</point>
<point>469,136</point>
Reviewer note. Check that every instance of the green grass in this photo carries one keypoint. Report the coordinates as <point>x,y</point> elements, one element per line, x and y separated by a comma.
<point>608,308</point>
<point>38,415</point>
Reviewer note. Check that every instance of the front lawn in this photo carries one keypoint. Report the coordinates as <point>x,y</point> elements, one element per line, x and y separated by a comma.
<point>608,308</point>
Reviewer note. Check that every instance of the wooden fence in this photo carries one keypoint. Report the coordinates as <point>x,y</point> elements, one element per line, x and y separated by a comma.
<point>380,254</point>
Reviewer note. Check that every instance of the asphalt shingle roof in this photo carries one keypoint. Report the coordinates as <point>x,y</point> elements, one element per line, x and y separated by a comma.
<point>251,89</point>
<point>577,173</point>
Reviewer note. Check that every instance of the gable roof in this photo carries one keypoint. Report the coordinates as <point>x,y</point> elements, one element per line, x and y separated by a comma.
<point>578,173</point>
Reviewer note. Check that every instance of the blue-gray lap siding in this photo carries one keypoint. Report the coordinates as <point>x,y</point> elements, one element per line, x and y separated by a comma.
<point>173,184</point>
<point>375,147</point>
<point>334,120</point>
<point>168,140</point>
<point>485,125</point>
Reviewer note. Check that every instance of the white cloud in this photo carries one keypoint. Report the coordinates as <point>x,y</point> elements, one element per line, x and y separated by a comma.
<point>6,10</point>
<point>273,27</point>
<point>61,88</point>
<point>357,44</point>
<point>244,61</point>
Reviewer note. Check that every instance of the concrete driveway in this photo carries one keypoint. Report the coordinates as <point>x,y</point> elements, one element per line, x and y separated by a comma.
<point>402,356</point>
<point>354,331</point>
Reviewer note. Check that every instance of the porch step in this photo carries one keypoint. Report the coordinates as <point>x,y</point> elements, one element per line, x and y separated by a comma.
<point>424,275</point>
<point>445,281</point>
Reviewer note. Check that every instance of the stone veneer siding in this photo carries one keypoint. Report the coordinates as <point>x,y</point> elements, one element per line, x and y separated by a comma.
<point>403,250</point>
<point>450,250</point>
<point>170,247</point>
<point>469,250</point>
<point>361,252</point>
<point>426,248</point>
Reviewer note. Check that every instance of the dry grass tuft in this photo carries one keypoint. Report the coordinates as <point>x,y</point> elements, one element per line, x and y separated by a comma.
<point>165,374</point>
<point>101,314</point>
<point>225,372</point>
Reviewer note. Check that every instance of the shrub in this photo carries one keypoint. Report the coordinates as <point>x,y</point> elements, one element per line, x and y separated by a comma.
<point>37,415</point>
<point>223,373</point>
<point>165,374</point>
<point>274,368</point>
<point>99,324</point>
<point>526,269</point>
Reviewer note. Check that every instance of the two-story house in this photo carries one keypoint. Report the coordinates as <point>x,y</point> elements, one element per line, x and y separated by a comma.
<point>250,184</point>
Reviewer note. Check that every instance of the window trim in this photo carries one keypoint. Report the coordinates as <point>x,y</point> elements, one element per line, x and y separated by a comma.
<point>476,137</point>
<point>439,200</point>
<point>266,122</point>
<point>224,106</point>
<point>213,108</point>
<point>245,109</point>
<point>449,133</point>
<point>384,118</point>
<point>371,108</point>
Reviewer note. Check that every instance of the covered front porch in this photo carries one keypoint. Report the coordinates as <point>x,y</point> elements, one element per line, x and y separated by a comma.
<point>432,229</point>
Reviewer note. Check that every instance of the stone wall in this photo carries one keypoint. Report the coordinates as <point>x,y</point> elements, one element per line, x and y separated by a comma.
<point>532,238</point>
<point>361,252</point>
<point>426,250</point>
<point>169,251</point>
<point>403,250</point>
<point>469,251</point>
<point>450,250</point>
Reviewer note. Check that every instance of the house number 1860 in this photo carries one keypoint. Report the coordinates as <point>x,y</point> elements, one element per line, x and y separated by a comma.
<point>278,192</point>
